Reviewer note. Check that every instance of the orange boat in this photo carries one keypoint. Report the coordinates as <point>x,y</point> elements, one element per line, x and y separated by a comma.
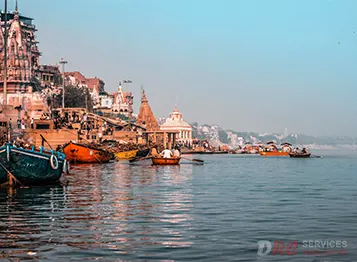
<point>160,161</point>
<point>273,153</point>
<point>85,154</point>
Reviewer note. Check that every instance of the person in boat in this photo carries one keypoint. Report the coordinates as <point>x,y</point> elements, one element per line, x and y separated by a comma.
<point>176,152</point>
<point>304,151</point>
<point>166,153</point>
<point>154,152</point>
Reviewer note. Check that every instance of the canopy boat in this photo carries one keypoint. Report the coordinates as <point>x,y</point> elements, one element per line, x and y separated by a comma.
<point>31,167</point>
<point>82,153</point>
<point>126,154</point>
<point>301,155</point>
<point>160,161</point>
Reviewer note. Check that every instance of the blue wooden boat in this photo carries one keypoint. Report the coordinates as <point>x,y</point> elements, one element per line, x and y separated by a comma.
<point>31,166</point>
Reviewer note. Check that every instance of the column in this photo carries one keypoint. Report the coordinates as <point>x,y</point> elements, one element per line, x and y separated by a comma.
<point>165,138</point>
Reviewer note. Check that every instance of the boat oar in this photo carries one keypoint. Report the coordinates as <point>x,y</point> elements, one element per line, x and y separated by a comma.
<point>193,160</point>
<point>44,139</point>
<point>317,156</point>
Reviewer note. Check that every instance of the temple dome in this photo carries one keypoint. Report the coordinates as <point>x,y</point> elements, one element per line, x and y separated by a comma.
<point>175,120</point>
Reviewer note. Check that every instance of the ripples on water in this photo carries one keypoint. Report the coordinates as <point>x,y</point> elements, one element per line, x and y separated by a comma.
<point>212,212</point>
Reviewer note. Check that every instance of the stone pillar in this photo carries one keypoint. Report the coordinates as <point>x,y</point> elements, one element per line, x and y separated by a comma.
<point>164,140</point>
<point>174,140</point>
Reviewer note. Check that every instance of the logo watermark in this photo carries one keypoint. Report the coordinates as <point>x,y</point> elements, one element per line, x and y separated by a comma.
<point>306,247</point>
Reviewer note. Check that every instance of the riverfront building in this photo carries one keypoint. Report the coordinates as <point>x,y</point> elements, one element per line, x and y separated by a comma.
<point>176,123</point>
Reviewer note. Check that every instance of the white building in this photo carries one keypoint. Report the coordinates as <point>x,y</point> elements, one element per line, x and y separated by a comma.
<point>175,123</point>
<point>122,102</point>
<point>106,100</point>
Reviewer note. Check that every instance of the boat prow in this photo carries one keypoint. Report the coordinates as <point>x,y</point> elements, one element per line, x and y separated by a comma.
<point>82,153</point>
<point>31,166</point>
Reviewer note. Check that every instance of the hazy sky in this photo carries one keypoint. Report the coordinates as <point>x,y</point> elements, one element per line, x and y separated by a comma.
<point>250,65</point>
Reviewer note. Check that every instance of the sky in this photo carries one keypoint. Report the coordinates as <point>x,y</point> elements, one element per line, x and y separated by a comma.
<point>247,65</point>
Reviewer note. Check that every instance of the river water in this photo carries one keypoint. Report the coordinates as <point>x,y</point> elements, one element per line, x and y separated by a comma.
<point>212,212</point>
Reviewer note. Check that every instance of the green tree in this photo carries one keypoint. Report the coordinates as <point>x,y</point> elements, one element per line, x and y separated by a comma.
<point>78,97</point>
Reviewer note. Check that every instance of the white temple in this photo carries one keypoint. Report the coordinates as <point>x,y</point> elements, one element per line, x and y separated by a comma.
<point>175,123</point>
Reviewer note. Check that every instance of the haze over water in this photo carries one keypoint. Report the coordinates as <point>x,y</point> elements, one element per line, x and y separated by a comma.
<point>212,212</point>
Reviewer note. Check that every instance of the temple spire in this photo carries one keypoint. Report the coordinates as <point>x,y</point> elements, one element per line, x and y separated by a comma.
<point>16,17</point>
<point>143,96</point>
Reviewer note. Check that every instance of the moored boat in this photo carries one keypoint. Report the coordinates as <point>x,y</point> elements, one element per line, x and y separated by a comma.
<point>273,153</point>
<point>31,167</point>
<point>143,153</point>
<point>160,161</point>
<point>126,154</point>
<point>300,155</point>
<point>81,153</point>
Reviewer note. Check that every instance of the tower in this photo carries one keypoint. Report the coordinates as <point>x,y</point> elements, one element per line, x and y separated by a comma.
<point>146,117</point>
<point>22,53</point>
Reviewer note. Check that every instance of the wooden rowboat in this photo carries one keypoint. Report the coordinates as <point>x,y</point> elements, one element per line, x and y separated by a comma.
<point>300,155</point>
<point>143,153</point>
<point>31,167</point>
<point>160,161</point>
<point>126,154</point>
<point>82,153</point>
<point>273,153</point>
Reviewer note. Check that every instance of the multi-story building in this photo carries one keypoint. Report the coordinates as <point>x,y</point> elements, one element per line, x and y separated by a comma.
<point>75,79</point>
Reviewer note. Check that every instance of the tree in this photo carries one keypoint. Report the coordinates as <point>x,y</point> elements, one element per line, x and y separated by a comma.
<point>78,97</point>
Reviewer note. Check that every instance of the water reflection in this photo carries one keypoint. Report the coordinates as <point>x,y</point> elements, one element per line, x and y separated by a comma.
<point>112,209</point>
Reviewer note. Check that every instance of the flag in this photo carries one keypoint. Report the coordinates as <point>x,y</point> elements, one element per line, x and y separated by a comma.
<point>127,81</point>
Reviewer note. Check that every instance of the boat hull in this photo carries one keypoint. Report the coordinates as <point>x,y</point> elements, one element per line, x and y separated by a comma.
<point>273,153</point>
<point>126,154</point>
<point>78,153</point>
<point>30,167</point>
<point>160,161</point>
<point>143,153</point>
<point>300,155</point>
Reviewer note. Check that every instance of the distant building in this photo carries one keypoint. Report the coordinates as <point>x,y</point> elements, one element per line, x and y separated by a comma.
<point>146,117</point>
<point>175,122</point>
<point>106,101</point>
<point>122,102</point>
<point>95,86</point>
<point>49,75</point>
<point>161,120</point>
<point>76,79</point>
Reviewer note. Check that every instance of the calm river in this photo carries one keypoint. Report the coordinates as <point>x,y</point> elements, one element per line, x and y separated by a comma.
<point>212,212</point>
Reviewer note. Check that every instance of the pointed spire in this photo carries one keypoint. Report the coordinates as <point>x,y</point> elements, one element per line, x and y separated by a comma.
<point>143,96</point>
<point>119,88</point>
<point>16,17</point>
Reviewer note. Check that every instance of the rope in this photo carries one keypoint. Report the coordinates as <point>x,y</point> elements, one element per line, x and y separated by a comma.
<point>10,176</point>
